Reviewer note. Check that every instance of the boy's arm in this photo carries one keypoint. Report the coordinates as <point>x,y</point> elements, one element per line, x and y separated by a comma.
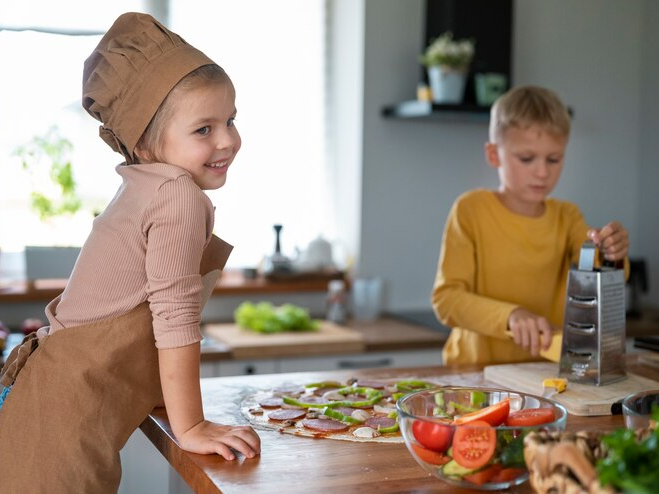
<point>179,377</point>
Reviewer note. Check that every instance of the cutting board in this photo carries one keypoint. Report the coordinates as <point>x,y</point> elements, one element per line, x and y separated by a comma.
<point>579,399</point>
<point>329,338</point>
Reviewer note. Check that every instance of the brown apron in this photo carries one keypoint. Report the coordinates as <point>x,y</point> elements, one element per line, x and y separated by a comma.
<point>79,396</point>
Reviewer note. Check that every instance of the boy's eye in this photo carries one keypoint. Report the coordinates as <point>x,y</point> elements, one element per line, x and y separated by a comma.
<point>553,161</point>
<point>204,130</point>
<point>526,159</point>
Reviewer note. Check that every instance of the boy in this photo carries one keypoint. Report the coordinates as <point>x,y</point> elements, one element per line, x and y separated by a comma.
<point>505,254</point>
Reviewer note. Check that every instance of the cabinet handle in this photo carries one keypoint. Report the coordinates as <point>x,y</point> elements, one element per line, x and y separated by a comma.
<point>364,364</point>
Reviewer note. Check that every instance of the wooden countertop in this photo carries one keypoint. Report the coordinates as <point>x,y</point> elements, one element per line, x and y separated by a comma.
<point>299,464</point>
<point>232,282</point>
<point>382,335</point>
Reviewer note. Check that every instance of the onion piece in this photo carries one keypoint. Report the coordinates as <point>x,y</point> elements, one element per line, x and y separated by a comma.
<point>365,432</point>
<point>361,415</point>
<point>381,409</point>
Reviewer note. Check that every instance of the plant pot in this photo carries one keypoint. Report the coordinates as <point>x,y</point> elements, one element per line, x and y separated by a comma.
<point>447,85</point>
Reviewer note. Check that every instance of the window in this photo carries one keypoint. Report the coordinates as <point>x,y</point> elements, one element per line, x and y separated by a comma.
<point>273,51</point>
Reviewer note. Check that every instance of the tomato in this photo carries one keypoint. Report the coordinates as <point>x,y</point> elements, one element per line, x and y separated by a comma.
<point>507,474</point>
<point>531,416</point>
<point>494,415</point>
<point>485,475</point>
<point>474,444</point>
<point>433,435</point>
<point>429,456</point>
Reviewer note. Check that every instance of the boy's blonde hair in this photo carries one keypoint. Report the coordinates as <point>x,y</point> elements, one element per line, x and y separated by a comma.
<point>524,106</point>
<point>151,142</point>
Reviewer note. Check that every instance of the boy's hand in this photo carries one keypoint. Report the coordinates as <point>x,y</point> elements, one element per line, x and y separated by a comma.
<point>612,240</point>
<point>530,331</point>
<point>208,438</point>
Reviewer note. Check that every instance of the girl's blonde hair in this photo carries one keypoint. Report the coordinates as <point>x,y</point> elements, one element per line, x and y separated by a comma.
<point>151,142</point>
<point>524,106</point>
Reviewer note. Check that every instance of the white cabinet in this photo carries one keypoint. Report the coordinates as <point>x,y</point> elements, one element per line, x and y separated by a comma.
<point>408,358</point>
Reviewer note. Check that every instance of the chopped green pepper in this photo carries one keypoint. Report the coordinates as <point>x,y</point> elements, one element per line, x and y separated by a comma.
<point>335,414</point>
<point>413,385</point>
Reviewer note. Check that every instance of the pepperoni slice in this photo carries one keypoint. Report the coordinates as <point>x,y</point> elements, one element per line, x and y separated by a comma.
<point>380,422</point>
<point>287,414</point>
<point>273,402</point>
<point>324,425</point>
<point>345,410</point>
<point>322,391</point>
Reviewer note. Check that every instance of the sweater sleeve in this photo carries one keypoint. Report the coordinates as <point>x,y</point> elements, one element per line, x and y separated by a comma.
<point>454,298</point>
<point>177,230</point>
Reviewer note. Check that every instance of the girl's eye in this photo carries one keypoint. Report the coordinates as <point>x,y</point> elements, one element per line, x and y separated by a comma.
<point>204,130</point>
<point>230,122</point>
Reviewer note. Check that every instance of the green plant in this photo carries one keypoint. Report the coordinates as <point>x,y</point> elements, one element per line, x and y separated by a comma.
<point>50,153</point>
<point>446,51</point>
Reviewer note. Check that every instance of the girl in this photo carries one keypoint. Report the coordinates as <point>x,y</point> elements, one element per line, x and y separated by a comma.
<point>124,334</point>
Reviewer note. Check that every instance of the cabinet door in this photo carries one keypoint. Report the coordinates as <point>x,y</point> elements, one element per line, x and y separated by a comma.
<point>246,367</point>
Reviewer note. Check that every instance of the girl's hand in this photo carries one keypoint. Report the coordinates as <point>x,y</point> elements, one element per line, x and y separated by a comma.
<point>530,331</point>
<point>210,438</point>
<point>612,240</point>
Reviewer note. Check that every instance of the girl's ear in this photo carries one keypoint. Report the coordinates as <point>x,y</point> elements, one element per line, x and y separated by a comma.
<point>492,154</point>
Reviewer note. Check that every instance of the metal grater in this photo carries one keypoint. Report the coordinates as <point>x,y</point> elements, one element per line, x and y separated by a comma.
<point>593,345</point>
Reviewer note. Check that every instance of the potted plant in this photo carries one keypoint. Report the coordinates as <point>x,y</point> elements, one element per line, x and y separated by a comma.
<point>46,158</point>
<point>447,61</point>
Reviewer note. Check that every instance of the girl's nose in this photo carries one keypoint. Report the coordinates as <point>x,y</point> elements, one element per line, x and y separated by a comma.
<point>229,138</point>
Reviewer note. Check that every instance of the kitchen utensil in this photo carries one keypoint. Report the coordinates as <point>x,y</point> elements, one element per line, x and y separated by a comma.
<point>477,455</point>
<point>593,344</point>
<point>277,263</point>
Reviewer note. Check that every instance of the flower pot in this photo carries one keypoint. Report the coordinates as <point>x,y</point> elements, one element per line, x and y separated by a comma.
<point>447,85</point>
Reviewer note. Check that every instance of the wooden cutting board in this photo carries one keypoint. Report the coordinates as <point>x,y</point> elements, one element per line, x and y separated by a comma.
<point>579,399</point>
<point>329,338</point>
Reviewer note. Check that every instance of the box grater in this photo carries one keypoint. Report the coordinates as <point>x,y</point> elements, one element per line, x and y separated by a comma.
<point>593,346</point>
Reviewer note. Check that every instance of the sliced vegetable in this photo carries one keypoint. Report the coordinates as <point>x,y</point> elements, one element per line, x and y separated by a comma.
<point>507,474</point>
<point>485,475</point>
<point>474,444</point>
<point>530,417</point>
<point>429,456</point>
<point>512,454</point>
<point>335,414</point>
<point>413,385</point>
<point>435,436</point>
<point>494,415</point>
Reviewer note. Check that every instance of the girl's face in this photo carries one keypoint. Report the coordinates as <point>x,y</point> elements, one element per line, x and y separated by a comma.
<point>529,161</point>
<point>200,136</point>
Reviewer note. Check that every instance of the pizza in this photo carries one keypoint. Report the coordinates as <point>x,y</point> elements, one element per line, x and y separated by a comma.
<point>356,410</point>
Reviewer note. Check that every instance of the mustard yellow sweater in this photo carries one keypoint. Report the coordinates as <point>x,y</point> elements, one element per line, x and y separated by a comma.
<point>493,261</point>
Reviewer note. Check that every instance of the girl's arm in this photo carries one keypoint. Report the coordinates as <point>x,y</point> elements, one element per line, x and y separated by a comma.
<point>179,376</point>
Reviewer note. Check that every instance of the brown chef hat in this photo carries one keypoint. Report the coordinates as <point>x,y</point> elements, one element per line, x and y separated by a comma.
<point>129,74</point>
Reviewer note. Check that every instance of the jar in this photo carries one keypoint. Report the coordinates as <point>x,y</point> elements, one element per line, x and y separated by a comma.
<point>337,302</point>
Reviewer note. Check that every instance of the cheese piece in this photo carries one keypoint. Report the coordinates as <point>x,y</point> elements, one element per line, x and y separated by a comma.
<point>557,383</point>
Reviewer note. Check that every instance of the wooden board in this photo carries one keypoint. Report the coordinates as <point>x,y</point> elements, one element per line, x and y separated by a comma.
<point>579,399</point>
<point>330,338</point>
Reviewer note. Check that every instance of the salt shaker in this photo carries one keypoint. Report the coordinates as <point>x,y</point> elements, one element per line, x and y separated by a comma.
<point>337,302</point>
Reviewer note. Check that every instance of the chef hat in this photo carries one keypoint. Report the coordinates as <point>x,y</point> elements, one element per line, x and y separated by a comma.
<point>130,73</point>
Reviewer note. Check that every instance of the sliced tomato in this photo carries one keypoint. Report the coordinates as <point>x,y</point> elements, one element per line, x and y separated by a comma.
<point>474,444</point>
<point>507,474</point>
<point>429,456</point>
<point>433,435</point>
<point>494,415</point>
<point>485,475</point>
<point>530,417</point>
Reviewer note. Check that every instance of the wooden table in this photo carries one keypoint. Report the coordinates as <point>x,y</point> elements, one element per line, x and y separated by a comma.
<point>301,464</point>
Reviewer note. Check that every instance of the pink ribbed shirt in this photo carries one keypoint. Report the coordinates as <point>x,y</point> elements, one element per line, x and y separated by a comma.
<point>145,246</point>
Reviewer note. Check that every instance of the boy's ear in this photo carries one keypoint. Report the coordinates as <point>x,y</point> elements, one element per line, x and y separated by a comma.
<point>492,154</point>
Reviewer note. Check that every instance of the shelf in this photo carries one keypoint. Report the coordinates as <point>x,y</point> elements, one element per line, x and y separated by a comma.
<point>426,110</point>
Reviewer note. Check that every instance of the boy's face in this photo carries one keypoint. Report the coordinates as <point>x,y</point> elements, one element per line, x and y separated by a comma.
<point>529,161</point>
<point>201,137</point>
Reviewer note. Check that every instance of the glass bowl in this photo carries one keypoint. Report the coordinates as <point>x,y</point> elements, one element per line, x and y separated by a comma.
<point>637,408</point>
<point>474,437</point>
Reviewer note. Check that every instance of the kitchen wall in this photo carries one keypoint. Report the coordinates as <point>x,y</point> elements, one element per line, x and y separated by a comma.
<point>599,55</point>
